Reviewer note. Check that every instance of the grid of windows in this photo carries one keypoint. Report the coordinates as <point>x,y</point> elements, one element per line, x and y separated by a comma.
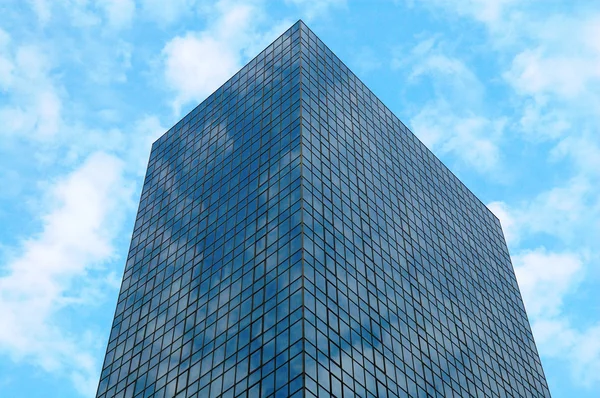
<point>409,289</point>
<point>295,239</point>
<point>212,293</point>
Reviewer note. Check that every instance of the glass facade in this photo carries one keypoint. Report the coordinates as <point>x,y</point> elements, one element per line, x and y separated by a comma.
<point>294,238</point>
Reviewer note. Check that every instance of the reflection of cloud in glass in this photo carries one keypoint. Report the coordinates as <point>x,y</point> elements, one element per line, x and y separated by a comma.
<point>216,210</point>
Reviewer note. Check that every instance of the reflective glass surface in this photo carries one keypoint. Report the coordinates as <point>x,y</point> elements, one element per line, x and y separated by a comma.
<point>295,239</point>
<point>409,288</point>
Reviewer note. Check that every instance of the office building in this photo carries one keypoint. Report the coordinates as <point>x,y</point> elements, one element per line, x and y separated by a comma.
<point>294,238</point>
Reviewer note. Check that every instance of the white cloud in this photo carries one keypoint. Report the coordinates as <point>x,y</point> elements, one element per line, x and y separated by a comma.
<point>34,106</point>
<point>540,71</point>
<point>84,13</point>
<point>586,365</point>
<point>564,212</point>
<point>132,145</point>
<point>546,279</point>
<point>442,64</point>
<point>551,59</point>
<point>83,36</point>
<point>79,13</point>
<point>119,13</point>
<point>6,63</point>
<point>554,69</point>
<point>452,79</point>
<point>110,62</point>
<point>145,131</point>
<point>559,209</point>
<point>48,112</point>
<point>50,275</point>
<point>197,63</point>
<point>258,40</point>
<point>509,224</point>
<point>489,11</point>
<point>583,150</point>
<point>453,122</point>
<point>41,8</point>
<point>471,138</point>
<point>540,125</point>
<point>434,61</point>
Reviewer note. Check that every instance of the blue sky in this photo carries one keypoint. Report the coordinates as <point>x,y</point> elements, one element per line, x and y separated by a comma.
<point>505,92</point>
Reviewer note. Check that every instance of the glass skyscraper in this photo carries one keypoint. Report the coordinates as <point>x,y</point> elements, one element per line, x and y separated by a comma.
<point>294,238</point>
